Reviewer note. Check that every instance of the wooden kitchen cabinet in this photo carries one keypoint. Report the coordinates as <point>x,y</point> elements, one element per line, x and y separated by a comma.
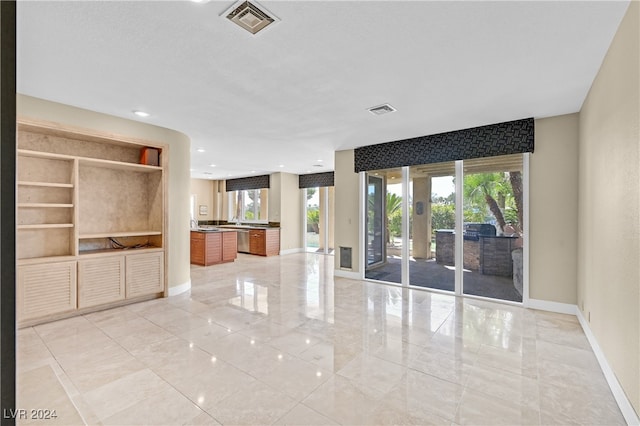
<point>197,248</point>
<point>264,242</point>
<point>229,246</point>
<point>210,248</point>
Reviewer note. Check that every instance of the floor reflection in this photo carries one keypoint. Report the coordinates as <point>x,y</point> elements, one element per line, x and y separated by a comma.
<point>279,340</point>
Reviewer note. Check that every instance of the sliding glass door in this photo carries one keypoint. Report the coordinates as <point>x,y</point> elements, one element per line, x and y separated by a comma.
<point>432,261</point>
<point>493,227</point>
<point>319,210</point>
<point>375,219</point>
<point>462,232</point>
<point>385,239</point>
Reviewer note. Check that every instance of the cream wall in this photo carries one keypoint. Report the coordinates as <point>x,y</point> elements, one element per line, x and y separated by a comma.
<point>203,191</point>
<point>210,193</point>
<point>347,209</point>
<point>290,213</point>
<point>609,207</point>
<point>275,195</point>
<point>285,206</point>
<point>179,161</point>
<point>553,210</point>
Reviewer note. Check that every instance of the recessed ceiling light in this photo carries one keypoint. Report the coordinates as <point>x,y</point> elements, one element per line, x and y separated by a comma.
<point>200,149</point>
<point>319,161</point>
<point>253,171</point>
<point>212,165</point>
<point>381,109</point>
<point>281,165</point>
<point>141,113</point>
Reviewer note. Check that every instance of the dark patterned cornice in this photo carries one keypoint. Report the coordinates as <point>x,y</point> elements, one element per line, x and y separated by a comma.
<point>512,137</point>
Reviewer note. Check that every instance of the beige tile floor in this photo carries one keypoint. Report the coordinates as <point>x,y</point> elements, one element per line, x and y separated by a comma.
<point>281,341</point>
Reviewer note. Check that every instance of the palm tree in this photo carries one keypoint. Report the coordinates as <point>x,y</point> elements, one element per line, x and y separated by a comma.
<point>499,192</point>
<point>515,178</point>
<point>394,203</point>
<point>488,187</point>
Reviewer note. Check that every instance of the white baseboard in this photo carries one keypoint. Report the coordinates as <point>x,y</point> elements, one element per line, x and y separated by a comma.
<point>346,274</point>
<point>174,291</point>
<point>545,305</point>
<point>291,251</point>
<point>630,415</point>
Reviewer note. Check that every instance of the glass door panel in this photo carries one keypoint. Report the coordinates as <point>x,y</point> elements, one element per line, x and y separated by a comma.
<point>319,219</point>
<point>493,219</point>
<point>375,220</point>
<point>432,255</point>
<point>386,238</point>
<point>312,208</point>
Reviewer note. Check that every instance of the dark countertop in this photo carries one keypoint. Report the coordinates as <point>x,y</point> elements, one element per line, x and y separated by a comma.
<point>247,227</point>
<point>210,230</point>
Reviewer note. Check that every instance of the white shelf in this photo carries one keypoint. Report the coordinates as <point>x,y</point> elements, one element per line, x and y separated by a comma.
<point>96,162</point>
<point>118,165</point>
<point>48,259</point>
<point>40,154</point>
<point>46,226</point>
<point>119,234</point>
<point>44,205</point>
<point>45,184</point>
<point>113,251</point>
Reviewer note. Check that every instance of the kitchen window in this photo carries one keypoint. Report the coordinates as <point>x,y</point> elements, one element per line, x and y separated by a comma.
<point>248,205</point>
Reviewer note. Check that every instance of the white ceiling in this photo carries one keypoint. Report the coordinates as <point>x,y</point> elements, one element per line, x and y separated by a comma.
<point>299,90</point>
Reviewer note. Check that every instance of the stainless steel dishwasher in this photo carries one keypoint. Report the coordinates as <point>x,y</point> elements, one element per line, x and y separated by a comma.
<point>243,240</point>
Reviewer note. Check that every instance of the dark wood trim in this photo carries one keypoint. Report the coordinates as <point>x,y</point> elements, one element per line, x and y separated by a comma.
<point>7,211</point>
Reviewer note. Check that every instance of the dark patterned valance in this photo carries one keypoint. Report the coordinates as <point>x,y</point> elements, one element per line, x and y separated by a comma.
<point>251,182</point>
<point>512,137</point>
<point>315,180</point>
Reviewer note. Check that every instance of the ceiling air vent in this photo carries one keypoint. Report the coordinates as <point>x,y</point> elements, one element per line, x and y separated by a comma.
<point>381,109</point>
<point>249,16</point>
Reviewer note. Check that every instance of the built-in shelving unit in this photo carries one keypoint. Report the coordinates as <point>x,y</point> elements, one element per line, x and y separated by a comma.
<point>91,226</point>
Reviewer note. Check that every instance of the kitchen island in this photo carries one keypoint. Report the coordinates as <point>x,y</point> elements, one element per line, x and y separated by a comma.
<point>213,246</point>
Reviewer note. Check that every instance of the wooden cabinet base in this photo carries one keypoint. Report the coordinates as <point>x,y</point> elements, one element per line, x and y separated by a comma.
<point>264,242</point>
<point>211,248</point>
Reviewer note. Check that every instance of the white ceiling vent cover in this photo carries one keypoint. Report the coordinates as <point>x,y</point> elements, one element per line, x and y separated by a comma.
<point>381,109</point>
<point>249,16</point>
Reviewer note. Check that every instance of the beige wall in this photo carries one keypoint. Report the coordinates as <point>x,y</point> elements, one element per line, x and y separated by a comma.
<point>178,214</point>
<point>290,212</point>
<point>347,209</point>
<point>210,193</point>
<point>275,195</point>
<point>203,191</point>
<point>553,210</point>
<point>609,215</point>
<point>285,206</point>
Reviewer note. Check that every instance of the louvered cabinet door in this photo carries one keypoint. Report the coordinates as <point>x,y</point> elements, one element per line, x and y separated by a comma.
<point>145,274</point>
<point>46,289</point>
<point>100,280</point>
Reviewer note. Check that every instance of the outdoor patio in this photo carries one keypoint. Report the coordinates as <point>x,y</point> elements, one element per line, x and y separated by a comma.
<point>427,273</point>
